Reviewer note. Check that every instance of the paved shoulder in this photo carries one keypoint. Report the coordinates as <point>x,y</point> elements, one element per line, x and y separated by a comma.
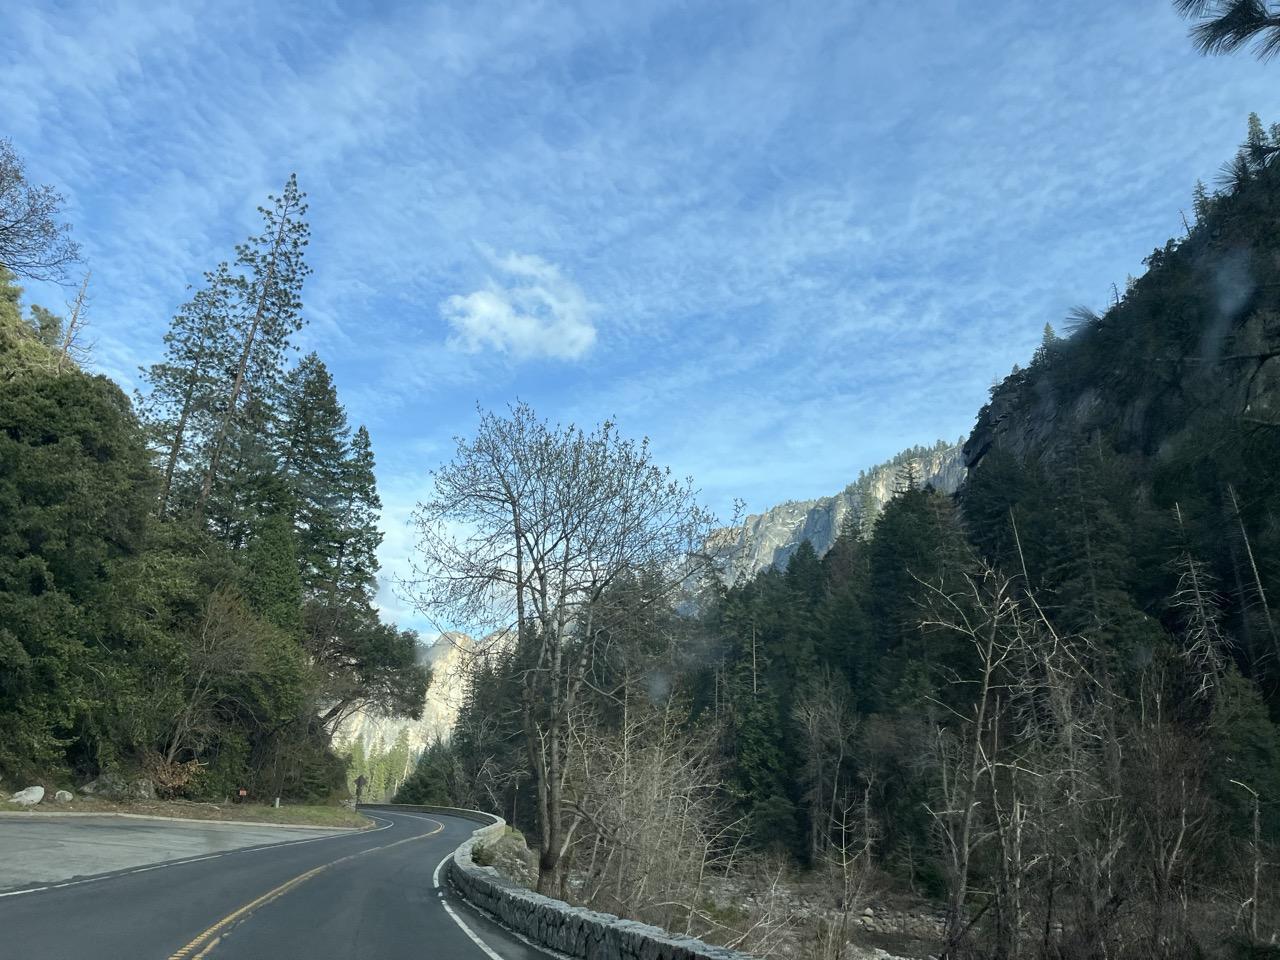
<point>38,850</point>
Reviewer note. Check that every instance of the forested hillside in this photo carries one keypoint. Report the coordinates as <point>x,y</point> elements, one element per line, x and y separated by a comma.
<point>1047,704</point>
<point>187,580</point>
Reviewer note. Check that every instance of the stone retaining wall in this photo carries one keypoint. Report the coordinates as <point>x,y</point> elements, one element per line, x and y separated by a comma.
<point>461,813</point>
<point>573,931</point>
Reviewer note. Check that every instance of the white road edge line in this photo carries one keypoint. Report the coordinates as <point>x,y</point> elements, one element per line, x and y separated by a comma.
<point>488,950</point>
<point>125,872</point>
<point>435,879</point>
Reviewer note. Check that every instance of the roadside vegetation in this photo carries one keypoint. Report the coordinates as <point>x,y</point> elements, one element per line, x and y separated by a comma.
<point>187,576</point>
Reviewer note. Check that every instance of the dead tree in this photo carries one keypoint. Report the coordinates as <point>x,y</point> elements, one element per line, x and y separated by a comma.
<point>72,348</point>
<point>1250,905</point>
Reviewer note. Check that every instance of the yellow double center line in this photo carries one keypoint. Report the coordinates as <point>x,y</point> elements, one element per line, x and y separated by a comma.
<point>211,937</point>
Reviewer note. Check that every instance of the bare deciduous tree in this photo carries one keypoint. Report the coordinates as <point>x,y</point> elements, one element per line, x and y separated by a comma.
<point>654,823</point>
<point>1171,810</point>
<point>1031,772</point>
<point>220,651</point>
<point>33,243</point>
<point>829,724</point>
<point>72,348</point>
<point>845,865</point>
<point>987,616</point>
<point>1250,905</point>
<point>1205,645</point>
<point>530,525</point>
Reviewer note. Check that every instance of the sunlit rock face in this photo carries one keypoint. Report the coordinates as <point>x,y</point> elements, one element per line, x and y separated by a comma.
<point>769,539</point>
<point>447,658</point>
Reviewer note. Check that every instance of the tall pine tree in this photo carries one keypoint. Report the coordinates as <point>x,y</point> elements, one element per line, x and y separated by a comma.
<point>265,312</point>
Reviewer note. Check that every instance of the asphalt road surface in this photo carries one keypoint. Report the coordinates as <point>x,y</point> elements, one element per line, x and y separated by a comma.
<point>371,895</point>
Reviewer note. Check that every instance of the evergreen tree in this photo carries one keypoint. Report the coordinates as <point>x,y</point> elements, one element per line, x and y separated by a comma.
<point>1229,25</point>
<point>1047,352</point>
<point>805,576</point>
<point>272,583</point>
<point>180,407</point>
<point>846,631</point>
<point>1091,568</point>
<point>1004,515</point>
<point>794,645</point>
<point>917,544</point>
<point>73,488</point>
<point>359,536</point>
<point>313,455</point>
<point>22,352</point>
<point>434,779</point>
<point>1245,747</point>
<point>264,311</point>
<point>760,771</point>
<point>47,326</point>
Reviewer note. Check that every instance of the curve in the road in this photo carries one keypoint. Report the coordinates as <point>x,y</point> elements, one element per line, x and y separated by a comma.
<point>210,938</point>
<point>370,894</point>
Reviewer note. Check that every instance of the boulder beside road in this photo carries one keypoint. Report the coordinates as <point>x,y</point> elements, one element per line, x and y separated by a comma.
<point>28,797</point>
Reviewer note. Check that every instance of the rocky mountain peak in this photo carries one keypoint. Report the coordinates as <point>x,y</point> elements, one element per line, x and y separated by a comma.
<point>769,539</point>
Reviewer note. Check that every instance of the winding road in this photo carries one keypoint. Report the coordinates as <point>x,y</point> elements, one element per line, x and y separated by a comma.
<point>372,895</point>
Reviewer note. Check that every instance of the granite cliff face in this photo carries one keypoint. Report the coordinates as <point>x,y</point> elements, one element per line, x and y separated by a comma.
<point>447,658</point>
<point>770,538</point>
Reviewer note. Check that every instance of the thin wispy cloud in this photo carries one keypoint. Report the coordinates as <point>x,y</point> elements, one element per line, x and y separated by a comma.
<point>782,240</point>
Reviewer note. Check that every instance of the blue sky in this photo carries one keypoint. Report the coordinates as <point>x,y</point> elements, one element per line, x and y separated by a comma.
<point>784,240</point>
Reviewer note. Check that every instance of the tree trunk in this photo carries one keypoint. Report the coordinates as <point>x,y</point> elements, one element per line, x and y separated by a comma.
<point>175,449</point>
<point>206,486</point>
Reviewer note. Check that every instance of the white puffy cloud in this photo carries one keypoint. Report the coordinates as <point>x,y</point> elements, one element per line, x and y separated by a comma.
<point>537,312</point>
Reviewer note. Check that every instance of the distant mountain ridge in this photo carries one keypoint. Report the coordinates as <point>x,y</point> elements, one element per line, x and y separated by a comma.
<point>769,539</point>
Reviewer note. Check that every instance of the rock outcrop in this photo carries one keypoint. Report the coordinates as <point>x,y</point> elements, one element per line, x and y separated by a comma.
<point>769,539</point>
<point>447,659</point>
<point>113,786</point>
